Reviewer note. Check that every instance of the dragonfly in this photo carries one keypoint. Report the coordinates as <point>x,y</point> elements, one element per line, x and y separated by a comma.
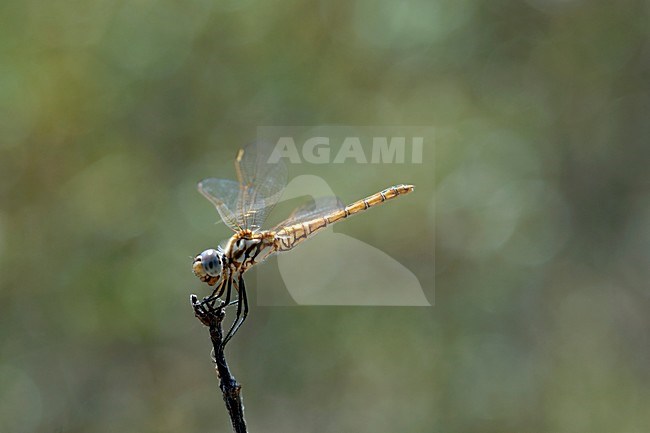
<point>244,205</point>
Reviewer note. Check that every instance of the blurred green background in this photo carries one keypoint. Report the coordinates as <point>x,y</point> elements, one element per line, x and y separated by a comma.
<point>540,202</point>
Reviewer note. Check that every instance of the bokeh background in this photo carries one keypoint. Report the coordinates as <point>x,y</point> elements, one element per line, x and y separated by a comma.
<point>540,203</point>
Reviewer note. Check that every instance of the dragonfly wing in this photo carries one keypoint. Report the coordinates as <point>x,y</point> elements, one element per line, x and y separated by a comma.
<point>224,195</point>
<point>261,184</point>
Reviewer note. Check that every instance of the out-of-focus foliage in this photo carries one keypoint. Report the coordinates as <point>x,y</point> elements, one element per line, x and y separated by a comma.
<point>111,111</point>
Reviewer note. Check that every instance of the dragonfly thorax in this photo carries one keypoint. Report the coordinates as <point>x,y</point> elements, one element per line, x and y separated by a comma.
<point>246,248</point>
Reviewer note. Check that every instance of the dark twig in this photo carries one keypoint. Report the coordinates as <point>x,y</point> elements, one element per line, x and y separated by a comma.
<point>212,316</point>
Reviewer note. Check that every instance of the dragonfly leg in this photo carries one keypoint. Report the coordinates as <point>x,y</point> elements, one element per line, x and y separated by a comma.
<point>239,320</point>
<point>228,291</point>
<point>216,294</point>
<point>219,292</point>
<point>244,296</point>
<point>233,327</point>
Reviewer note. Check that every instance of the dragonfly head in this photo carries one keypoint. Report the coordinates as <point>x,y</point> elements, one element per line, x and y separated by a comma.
<point>208,266</point>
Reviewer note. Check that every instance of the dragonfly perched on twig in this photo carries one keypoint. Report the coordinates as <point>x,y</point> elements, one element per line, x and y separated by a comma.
<point>243,205</point>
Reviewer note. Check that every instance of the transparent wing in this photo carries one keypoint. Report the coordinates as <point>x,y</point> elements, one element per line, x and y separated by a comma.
<point>313,209</point>
<point>261,184</point>
<point>224,195</point>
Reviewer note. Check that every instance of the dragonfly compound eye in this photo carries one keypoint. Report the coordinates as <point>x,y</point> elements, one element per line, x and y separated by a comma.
<point>210,262</point>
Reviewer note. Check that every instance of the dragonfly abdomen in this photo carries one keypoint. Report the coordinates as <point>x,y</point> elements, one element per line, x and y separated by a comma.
<point>368,202</point>
<point>290,236</point>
